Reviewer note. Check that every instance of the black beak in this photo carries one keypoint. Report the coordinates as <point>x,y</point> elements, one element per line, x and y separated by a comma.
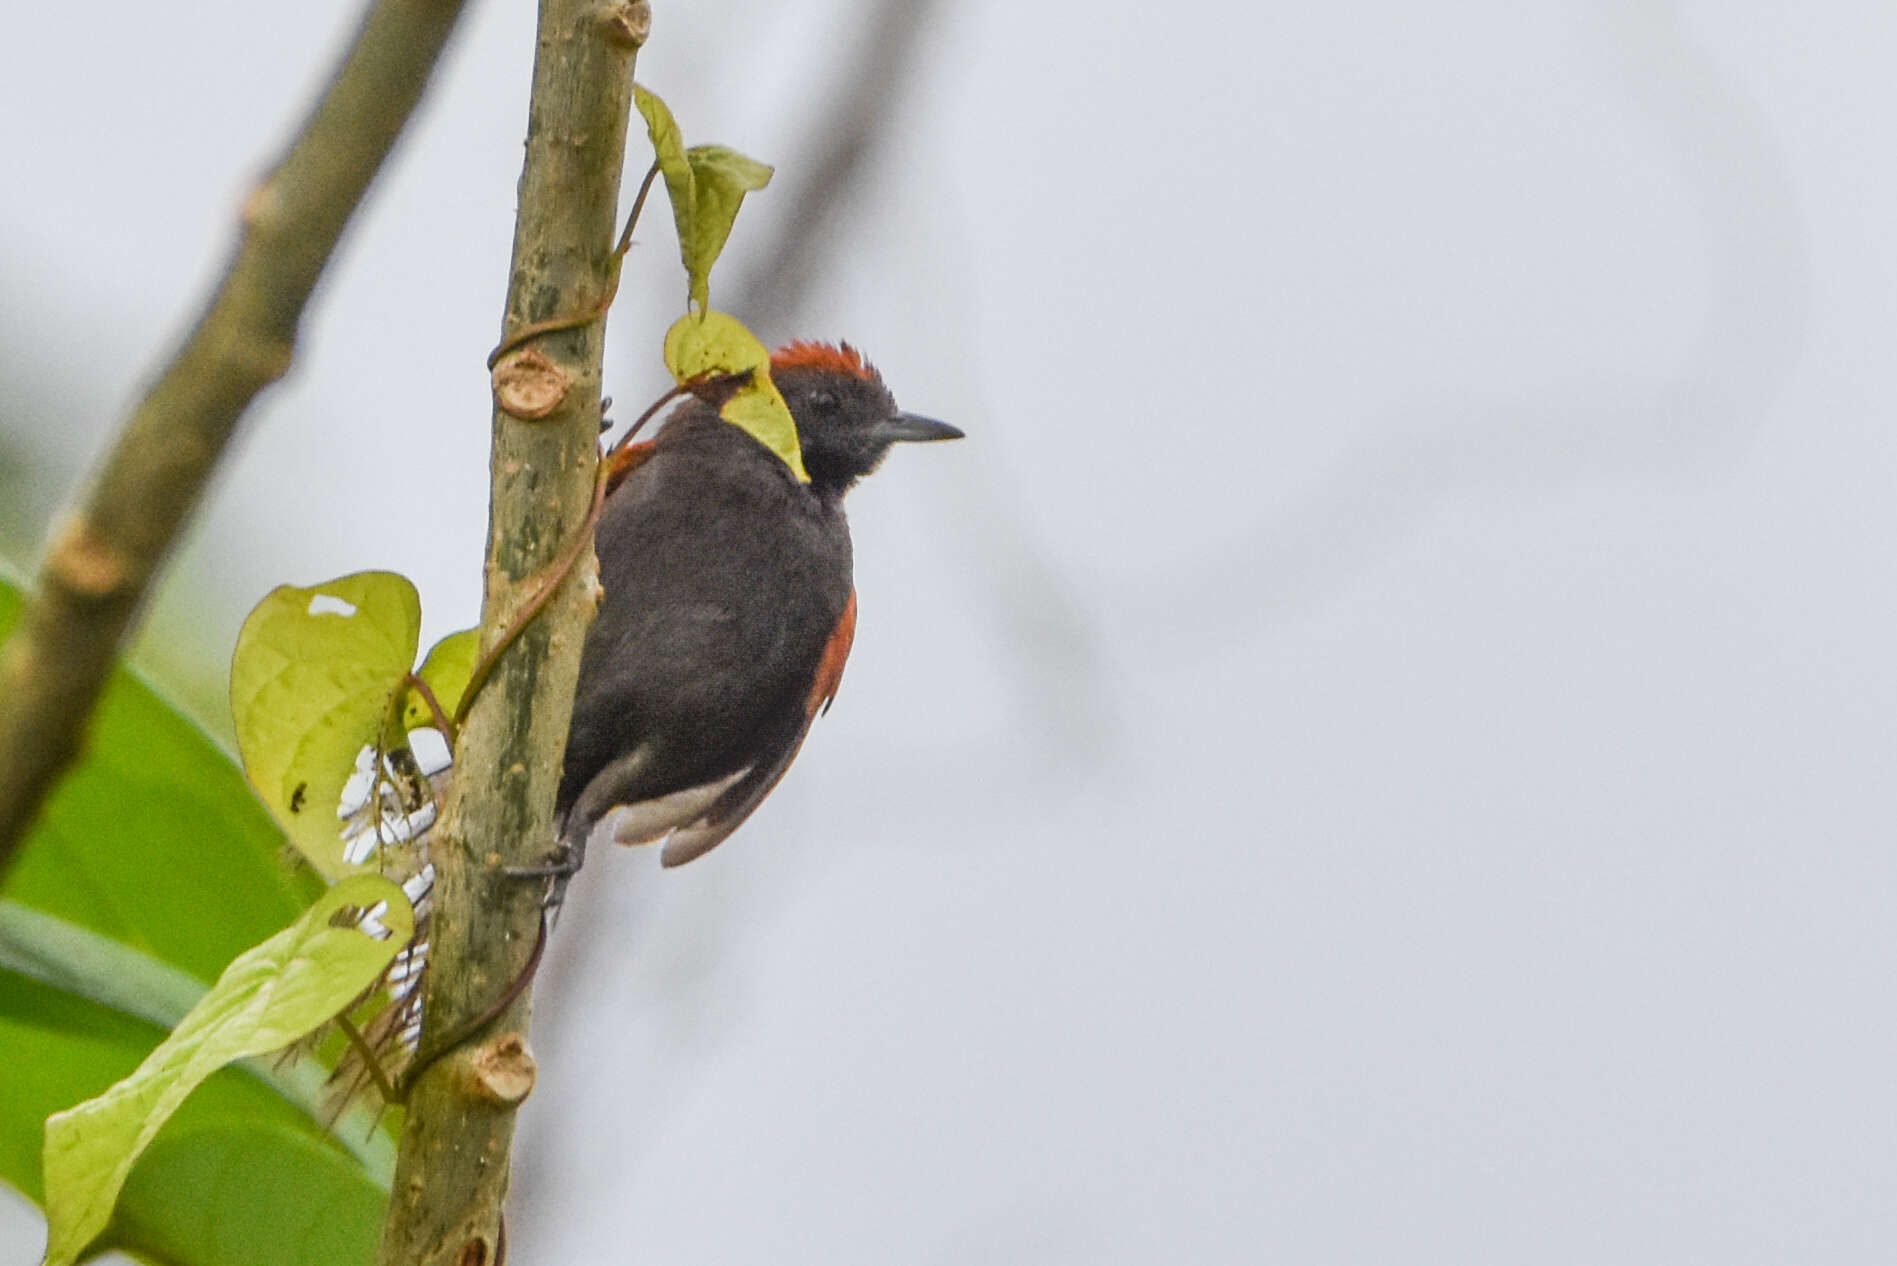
<point>909,426</point>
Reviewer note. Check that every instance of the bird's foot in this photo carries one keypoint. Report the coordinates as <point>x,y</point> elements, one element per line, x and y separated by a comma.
<point>558,870</point>
<point>563,865</point>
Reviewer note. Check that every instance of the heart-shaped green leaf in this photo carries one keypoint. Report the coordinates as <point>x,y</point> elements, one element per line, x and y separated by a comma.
<point>268,997</point>
<point>314,680</point>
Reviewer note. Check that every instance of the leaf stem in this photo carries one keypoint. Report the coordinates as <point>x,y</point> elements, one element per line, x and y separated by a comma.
<point>528,333</point>
<point>366,1053</point>
<point>443,721</point>
<point>638,205</point>
<point>556,575</point>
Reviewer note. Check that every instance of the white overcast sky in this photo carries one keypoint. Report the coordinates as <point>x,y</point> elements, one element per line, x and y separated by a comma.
<point>1377,748</point>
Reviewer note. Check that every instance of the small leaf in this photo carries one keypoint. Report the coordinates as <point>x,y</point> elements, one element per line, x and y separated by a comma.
<point>720,178</point>
<point>313,682</point>
<point>449,664</point>
<point>668,145</point>
<point>706,185</point>
<point>717,343</point>
<point>268,997</point>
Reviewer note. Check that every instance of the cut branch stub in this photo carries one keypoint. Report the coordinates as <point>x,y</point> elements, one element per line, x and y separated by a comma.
<point>529,386</point>
<point>628,23</point>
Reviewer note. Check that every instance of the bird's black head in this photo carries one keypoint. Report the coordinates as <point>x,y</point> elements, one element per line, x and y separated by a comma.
<point>846,418</point>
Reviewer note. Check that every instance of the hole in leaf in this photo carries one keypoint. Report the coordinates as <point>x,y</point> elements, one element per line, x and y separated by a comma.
<point>329,604</point>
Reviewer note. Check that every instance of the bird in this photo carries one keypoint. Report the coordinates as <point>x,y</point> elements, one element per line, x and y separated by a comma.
<point>728,609</point>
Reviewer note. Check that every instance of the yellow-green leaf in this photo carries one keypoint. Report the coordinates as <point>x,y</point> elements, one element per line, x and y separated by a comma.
<point>314,681</point>
<point>721,176</point>
<point>447,668</point>
<point>706,185</point>
<point>717,343</point>
<point>270,995</point>
<point>668,145</point>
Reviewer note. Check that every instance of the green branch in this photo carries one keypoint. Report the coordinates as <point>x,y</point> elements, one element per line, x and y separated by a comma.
<point>452,1167</point>
<point>103,553</point>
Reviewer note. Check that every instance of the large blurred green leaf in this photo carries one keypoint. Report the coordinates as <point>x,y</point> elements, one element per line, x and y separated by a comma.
<point>270,996</point>
<point>236,1154</point>
<point>251,1193</point>
<point>155,840</point>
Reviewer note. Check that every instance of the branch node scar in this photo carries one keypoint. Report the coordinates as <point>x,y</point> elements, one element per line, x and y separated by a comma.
<point>528,386</point>
<point>503,1071</point>
<point>89,565</point>
<point>628,22</point>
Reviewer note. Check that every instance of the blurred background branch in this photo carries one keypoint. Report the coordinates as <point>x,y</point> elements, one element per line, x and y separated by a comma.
<point>101,556</point>
<point>851,121</point>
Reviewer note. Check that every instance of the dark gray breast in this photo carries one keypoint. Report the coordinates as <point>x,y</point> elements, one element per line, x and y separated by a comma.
<point>723,579</point>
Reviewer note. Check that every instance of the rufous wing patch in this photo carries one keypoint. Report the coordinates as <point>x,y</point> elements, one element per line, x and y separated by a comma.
<point>623,461</point>
<point>836,652</point>
<point>698,838</point>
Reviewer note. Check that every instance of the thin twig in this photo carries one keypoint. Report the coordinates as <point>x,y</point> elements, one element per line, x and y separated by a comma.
<point>425,1058</point>
<point>528,333</point>
<point>443,721</point>
<point>103,553</point>
<point>555,577</point>
<point>713,388</point>
<point>652,410</point>
<point>366,1054</point>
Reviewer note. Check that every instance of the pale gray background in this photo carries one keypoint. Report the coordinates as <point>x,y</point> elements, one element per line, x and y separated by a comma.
<point>1377,748</point>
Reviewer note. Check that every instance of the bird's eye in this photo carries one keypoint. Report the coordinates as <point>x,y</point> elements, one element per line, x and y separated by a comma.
<point>822,400</point>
